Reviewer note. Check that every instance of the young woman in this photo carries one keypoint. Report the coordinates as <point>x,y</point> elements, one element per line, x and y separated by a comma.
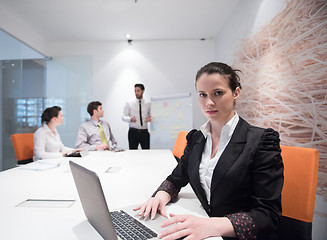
<point>234,168</point>
<point>47,142</point>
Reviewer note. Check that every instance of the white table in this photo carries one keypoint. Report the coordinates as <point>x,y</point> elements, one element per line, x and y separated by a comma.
<point>132,178</point>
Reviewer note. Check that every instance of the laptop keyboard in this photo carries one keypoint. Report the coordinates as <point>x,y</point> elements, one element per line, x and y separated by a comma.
<point>128,227</point>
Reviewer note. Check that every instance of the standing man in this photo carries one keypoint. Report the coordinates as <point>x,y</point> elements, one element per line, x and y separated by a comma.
<point>95,135</point>
<point>137,114</point>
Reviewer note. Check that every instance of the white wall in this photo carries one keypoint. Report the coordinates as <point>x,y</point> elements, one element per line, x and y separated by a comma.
<point>165,67</point>
<point>246,19</point>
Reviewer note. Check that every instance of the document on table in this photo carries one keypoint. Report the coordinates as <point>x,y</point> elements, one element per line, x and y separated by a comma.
<point>48,203</point>
<point>41,165</point>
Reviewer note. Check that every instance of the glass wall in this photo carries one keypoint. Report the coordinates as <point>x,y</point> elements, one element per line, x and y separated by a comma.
<point>30,82</point>
<point>69,85</point>
<point>23,100</point>
<point>30,86</point>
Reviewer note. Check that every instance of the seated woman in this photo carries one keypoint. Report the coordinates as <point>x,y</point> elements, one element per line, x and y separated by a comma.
<point>47,142</point>
<point>234,168</point>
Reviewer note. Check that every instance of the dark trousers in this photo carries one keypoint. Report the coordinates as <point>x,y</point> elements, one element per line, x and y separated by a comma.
<point>138,136</point>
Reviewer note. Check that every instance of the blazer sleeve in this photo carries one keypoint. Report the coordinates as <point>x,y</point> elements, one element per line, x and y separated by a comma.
<point>179,177</point>
<point>267,182</point>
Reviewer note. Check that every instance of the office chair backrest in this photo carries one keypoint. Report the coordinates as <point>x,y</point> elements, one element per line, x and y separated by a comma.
<point>23,146</point>
<point>180,144</point>
<point>299,192</point>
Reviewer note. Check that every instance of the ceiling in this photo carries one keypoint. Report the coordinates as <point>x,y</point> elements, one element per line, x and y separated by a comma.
<point>111,20</point>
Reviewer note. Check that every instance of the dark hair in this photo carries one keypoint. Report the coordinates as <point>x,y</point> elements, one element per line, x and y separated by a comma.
<point>93,106</point>
<point>50,113</point>
<point>224,70</point>
<point>140,85</point>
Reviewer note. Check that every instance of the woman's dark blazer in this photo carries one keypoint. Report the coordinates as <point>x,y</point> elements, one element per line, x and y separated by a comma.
<point>248,177</point>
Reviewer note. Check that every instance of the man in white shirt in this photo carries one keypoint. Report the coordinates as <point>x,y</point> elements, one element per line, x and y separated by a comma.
<point>95,135</point>
<point>137,114</point>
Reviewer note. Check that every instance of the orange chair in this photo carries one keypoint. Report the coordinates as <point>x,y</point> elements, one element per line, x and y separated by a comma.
<point>180,144</point>
<point>23,146</point>
<point>299,192</point>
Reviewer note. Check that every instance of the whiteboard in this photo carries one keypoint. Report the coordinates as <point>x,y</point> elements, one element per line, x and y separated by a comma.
<point>170,115</point>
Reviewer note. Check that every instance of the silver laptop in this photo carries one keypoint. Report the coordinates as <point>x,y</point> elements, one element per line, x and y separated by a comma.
<point>120,224</point>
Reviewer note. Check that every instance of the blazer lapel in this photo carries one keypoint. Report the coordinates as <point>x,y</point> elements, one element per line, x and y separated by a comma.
<point>231,153</point>
<point>194,164</point>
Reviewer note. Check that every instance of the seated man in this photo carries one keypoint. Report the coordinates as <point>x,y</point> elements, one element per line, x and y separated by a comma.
<point>95,135</point>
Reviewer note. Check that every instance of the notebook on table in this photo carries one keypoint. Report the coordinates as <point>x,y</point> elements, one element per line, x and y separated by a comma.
<point>108,223</point>
<point>82,153</point>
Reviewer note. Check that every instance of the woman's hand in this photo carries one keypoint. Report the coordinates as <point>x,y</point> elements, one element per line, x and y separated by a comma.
<point>193,227</point>
<point>154,205</point>
<point>77,150</point>
<point>64,153</point>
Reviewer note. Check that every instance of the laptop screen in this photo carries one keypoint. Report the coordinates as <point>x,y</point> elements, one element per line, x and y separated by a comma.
<point>93,200</point>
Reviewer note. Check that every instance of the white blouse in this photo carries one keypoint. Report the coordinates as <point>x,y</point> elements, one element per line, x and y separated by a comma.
<point>47,144</point>
<point>208,164</point>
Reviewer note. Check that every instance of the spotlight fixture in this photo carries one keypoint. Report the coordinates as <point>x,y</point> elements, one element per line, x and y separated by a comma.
<point>129,39</point>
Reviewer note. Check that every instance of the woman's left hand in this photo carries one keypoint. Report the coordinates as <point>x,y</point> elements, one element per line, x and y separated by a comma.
<point>77,150</point>
<point>193,227</point>
<point>186,225</point>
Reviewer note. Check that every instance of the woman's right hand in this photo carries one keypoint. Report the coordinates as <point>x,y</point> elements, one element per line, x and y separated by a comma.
<point>77,150</point>
<point>154,204</point>
<point>64,153</point>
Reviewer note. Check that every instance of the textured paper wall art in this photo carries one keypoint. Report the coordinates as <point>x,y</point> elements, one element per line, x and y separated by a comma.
<point>284,78</point>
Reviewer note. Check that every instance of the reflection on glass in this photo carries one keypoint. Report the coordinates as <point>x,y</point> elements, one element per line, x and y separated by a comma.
<point>29,110</point>
<point>84,114</point>
<point>21,101</point>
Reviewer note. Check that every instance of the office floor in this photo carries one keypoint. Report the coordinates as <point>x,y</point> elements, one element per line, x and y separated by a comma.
<point>319,228</point>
